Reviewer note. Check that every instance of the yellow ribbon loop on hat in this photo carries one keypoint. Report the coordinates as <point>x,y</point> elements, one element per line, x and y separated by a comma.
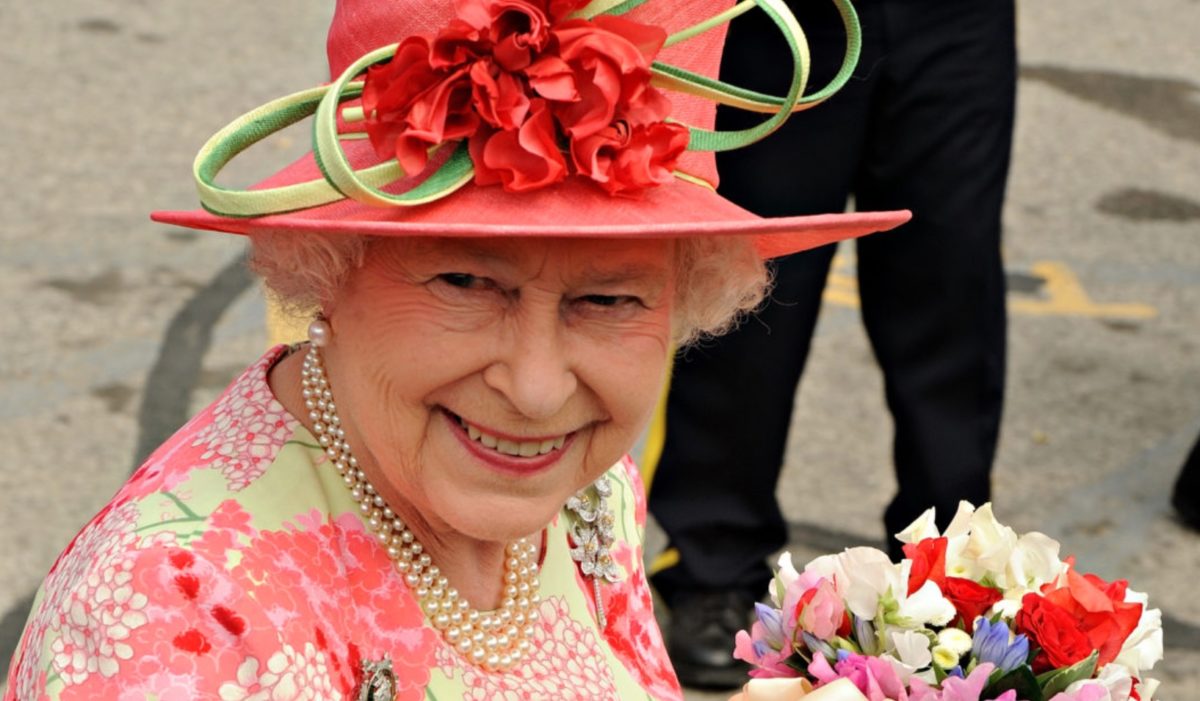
<point>340,180</point>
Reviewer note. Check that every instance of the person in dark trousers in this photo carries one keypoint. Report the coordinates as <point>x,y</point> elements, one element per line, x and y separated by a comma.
<point>1186,497</point>
<point>926,124</point>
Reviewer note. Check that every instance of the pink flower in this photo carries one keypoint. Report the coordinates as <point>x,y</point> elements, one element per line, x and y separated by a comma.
<point>958,688</point>
<point>874,676</point>
<point>818,609</point>
<point>767,662</point>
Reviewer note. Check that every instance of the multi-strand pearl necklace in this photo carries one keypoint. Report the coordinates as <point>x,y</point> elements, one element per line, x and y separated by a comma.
<point>494,640</point>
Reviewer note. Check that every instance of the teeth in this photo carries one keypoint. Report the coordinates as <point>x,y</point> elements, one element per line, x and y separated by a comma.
<point>524,449</point>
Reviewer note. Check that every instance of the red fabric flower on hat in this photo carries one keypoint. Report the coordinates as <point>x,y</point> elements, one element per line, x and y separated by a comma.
<point>416,107</point>
<point>521,159</point>
<point>601,69</point>
<point>626,160</point>
<point>526,86</point>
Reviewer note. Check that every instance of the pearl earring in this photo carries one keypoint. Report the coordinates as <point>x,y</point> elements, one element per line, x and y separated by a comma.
<point>319,332</point>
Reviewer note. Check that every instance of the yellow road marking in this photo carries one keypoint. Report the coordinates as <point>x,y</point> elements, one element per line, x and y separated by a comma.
<point>1062,294</point>
<point>1066,297</point>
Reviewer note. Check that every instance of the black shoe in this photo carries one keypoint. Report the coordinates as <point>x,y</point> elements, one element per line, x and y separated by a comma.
<point>700,639</point>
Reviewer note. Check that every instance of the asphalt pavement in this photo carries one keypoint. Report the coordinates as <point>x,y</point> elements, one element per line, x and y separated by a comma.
<point>116,329</point>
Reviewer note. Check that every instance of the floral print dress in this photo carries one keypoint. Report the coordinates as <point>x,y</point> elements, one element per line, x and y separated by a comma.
<point>233,565</point>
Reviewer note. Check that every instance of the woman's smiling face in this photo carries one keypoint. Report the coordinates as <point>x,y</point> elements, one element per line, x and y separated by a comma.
<point>488,380</point>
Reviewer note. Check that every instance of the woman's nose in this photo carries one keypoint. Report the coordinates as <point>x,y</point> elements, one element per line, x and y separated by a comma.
<point>533,369</point>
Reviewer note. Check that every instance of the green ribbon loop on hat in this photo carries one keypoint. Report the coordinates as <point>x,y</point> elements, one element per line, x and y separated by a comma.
<point>680,80</point>
<point>327,150</point>
<point>249,129</point>
<point>340,180</point>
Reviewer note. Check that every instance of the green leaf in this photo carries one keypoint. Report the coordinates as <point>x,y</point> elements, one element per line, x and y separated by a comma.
<point>1021,680</point>
<point>1057,680</point>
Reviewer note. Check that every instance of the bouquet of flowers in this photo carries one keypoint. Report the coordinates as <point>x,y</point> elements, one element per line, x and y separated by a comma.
<point>977,613</point>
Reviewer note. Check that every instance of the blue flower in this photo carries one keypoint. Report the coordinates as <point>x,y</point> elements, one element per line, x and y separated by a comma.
<point>992,643</point>
<point>772,623</point>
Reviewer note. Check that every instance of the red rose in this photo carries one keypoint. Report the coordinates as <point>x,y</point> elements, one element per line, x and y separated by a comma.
<point>625,160</point>
<point>522,159</point>
<point>1054,631</point>
<point>600,69</point>
<point>1100,610</point>
<point>928,562</point>
<point>970,598</point>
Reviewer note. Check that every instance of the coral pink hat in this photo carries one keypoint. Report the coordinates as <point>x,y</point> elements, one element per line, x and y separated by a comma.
<point>483,118</point>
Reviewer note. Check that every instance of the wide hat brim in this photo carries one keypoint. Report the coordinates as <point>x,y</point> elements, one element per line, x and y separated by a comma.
<point>573,208</point>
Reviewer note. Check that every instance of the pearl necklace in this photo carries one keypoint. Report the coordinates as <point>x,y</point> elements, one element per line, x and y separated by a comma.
<point>493,640</point>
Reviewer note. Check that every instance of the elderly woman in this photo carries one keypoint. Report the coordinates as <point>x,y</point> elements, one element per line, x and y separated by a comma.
<point>432,499</point>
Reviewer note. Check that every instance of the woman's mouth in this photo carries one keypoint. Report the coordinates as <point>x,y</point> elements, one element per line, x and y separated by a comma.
<point>510,445</point>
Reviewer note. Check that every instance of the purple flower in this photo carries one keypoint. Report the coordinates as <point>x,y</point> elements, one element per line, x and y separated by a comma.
<point>991,644</point>
<point>763,648</point>
<point>772,623</point>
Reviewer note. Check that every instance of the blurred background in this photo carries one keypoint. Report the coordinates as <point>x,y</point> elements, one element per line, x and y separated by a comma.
<point>115,330</point>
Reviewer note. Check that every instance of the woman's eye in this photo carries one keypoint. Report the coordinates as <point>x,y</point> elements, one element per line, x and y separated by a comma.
<point>610,300</point>
<point>603,300</point>
<point>465,281</point>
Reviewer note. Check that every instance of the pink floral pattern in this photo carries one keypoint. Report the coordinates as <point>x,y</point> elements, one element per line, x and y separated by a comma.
<point>247,428</point>
<point>175,592</point>
<point>288,674</point>
<point>99,541</point>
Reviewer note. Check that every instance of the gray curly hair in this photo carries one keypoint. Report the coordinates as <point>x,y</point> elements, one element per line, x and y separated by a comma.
<point>718,278</point>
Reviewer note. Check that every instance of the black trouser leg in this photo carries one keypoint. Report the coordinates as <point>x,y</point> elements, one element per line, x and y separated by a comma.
<point>933,292</point>
<point>731,398</point>
<point>727,423</point>
<point>1186,496</point>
